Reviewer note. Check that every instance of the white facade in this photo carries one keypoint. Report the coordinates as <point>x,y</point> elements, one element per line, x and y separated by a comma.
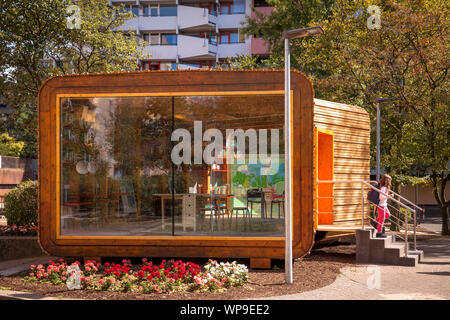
<point>189,33</point>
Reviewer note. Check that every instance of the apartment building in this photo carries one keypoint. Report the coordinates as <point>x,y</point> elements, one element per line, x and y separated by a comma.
<point>191,34</point>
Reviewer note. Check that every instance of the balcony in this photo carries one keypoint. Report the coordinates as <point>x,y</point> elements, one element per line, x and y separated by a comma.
<point>230,21</point>
<point>130,24</point>
<point>162,52</point>
<point>260,46</point>
<point>195,19</point>
<point>157,23</point>
<point>233,49</point>
<point>194,48</point>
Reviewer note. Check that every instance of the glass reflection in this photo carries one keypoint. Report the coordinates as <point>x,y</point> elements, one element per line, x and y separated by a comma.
<point>119,177</point>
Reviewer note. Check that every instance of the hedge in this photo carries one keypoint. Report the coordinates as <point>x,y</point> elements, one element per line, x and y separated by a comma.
<point>21,204</point>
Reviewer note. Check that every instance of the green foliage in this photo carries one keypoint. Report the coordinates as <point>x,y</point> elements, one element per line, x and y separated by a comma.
<point>407,180</point>
<point>21,204</point>
<point>406,58</point>
<point>9,146</point>
<point>288,15</point>
<point>36,42</point>
<point>245,61</point>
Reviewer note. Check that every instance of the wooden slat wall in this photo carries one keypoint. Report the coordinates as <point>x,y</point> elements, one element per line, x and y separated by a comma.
<point>351,128</point>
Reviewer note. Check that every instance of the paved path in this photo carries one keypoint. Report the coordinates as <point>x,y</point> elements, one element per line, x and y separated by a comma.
<point>433,223</point>
<point>429,280</point>
<point>10,267</point>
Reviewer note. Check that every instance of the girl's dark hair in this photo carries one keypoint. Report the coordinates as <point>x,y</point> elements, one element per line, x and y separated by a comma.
<point>385,181</point>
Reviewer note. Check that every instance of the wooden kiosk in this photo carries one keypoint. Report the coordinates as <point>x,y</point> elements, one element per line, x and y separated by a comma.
<point>109,185</point>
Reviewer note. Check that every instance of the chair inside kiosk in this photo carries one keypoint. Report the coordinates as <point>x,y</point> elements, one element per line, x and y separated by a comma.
<point>323,164</point>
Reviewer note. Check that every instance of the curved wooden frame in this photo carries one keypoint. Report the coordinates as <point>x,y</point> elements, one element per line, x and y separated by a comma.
<point>176,83</point>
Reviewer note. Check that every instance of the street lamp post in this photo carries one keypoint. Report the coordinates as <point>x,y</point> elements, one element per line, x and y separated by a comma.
<point>288,35</point>
<point>379,100</point>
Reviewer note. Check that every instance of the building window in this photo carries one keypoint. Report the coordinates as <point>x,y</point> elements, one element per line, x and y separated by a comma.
<point>212,8</point>
<point>154,11</point>
<point>225,8</point>
<point>155,66</point>
<point>145,10</point>
<point>145,65</point>
<point>224,37</point>
<point>167,11</point>
<point>234,37</point>
<point>146,37</point>
<point>261,3</point>
<point>135,10</point>
<point>205,64</point>
<point>169,39</point>
<point>212,38</point>
<point>231,37</point>
<point>154,39</point>
<point>233,7</point>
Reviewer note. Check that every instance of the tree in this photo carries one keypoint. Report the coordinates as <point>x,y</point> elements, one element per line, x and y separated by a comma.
<point>405,57</point>
<point>9,146</point>
<point>245,61</point>
<point>39,39</point>
<point>286,15</point>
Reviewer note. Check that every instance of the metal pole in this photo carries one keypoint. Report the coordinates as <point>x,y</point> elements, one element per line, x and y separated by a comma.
<point>406,235</point>
<point>362,197</point>
<point>378,141</point>
<point>415,244</point>
<point>415,215</point>
<point>287,157</point>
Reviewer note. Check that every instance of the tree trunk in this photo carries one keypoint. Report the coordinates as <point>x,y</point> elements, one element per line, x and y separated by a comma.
<point>439,182</point>
<point>444,214</point>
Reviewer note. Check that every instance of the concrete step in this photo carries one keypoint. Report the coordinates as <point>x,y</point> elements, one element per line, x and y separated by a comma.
<point>382,241</point>
<point>418,253</point>
<point>409,261</point>
<point>371,249</point>
<point>393,252</point>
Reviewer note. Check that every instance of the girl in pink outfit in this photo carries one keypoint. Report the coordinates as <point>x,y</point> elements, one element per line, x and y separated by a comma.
<point>383,211</point>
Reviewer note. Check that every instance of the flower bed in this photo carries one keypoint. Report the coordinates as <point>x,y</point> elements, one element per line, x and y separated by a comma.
<point>15,230</point>
<point>166,277</point>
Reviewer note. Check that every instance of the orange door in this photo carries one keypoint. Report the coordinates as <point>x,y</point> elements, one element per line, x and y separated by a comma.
<point>323,164</point>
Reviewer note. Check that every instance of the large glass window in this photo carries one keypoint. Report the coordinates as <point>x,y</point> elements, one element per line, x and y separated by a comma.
<point>115,166</point>
<point>184,165</point>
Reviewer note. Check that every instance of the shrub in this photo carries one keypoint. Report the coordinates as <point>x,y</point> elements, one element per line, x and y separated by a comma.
<point>21,204</point>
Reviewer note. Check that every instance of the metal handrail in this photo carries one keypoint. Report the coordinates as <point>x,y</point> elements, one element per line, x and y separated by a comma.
<point>409,202</point>
<point>368,184</point>
<point>402,198</point>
